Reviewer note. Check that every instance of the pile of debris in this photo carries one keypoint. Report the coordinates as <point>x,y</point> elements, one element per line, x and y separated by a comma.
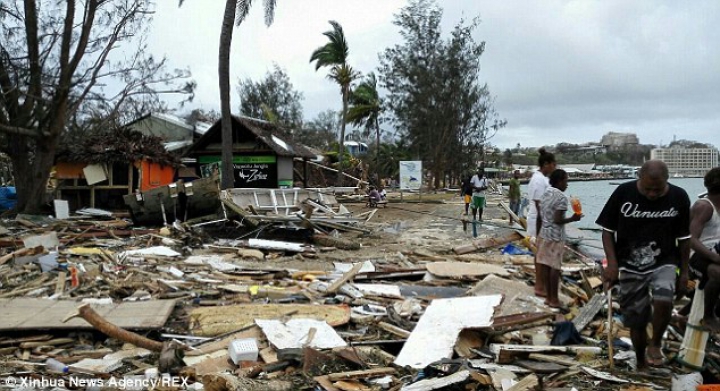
<point>415,304</point>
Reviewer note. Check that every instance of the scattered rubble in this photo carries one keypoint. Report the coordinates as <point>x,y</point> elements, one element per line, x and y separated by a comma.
<point>312,295</point>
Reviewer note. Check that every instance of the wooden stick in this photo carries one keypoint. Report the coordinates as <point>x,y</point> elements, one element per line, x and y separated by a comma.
<point>111,330</point>
<point>610,327</point>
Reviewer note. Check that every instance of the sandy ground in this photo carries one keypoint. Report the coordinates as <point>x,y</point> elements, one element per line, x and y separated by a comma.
<point>400,228</point>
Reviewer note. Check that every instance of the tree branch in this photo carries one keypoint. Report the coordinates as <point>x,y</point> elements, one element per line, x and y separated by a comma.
<point>21,131</point>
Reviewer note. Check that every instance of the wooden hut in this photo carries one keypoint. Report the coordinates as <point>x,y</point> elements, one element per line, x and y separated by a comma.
<point>261,158</point>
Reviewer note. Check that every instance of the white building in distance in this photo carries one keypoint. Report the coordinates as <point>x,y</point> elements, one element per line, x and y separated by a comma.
<point>615,140</point>
<point>687,162</point>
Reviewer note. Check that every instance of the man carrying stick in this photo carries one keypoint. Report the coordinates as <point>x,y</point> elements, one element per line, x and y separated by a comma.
<point>646,238</point>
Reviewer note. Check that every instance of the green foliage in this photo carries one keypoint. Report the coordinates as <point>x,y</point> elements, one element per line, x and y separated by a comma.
<point>59,70</point>
<point>437,103</point>
<point>273,98</point>
<point>334,55</point>
<point>321,132</point>
<point>366,106</point>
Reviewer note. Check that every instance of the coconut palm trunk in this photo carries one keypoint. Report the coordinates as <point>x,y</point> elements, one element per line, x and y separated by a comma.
<point>341,146</point>
<point>226,33</point>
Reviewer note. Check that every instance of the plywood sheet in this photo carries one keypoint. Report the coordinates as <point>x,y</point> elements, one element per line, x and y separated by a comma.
<point>464,269</point>
<point>435,334</point>
<point>296,334</point>
<point>43,314</point>
<point>519,297</point>
<point>211,321</point>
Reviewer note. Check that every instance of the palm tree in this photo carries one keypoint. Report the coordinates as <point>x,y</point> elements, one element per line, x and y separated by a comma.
<point>334,54</point>
<point>235,13</point>
<point>365,109</point>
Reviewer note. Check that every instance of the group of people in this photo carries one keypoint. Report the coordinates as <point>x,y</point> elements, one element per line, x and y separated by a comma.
<point>649,230</point>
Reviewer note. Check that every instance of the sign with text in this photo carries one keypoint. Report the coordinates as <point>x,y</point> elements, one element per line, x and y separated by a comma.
<point>410,175</point>
<point>249,171</point>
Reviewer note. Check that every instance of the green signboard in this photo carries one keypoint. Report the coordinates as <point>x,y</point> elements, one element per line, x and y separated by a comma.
<point>248,171</point>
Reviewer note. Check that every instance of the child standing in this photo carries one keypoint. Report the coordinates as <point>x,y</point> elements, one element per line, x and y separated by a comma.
<point>551,239</point>
<point>466,190</point>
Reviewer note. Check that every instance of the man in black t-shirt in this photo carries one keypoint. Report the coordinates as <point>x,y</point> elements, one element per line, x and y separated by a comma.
<point>646,232</point>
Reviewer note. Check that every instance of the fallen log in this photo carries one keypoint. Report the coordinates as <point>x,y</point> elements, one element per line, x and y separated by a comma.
<point>86,312</point>
<point>329,241</point>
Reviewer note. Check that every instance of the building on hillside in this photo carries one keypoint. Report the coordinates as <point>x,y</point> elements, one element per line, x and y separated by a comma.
<point>260,158</point>
<point>614,140</point>
<point>587,148</point>
<point>687,162</point>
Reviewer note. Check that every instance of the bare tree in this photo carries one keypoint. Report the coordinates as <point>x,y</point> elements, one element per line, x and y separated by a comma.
<point>57,64</point>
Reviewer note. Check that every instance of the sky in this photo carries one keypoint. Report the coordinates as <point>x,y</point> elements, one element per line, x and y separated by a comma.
<point>559,70</point>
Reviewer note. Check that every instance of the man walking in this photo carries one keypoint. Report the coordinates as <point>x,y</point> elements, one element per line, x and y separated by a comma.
<point>479,184</point>
<point>646,238</point>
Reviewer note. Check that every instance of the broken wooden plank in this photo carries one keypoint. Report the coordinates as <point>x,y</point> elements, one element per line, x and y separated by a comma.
<point>329,241</point>
<point>211,321</point>
<point>368,373</point>
<point>345,278</point>
<point>518,296</point>
<point>588,312</point>
<point>562,360</point>
<point>60,283</point>
<point>460,270</point>
<point>488,242</point>
<point>438,382</point>
<point>520,319</point>
<point>394,329</point>
<point>468,340</point>
<point>325,383</point>
<point>541,367</point>
<point>7,257</point>
<point>507,353</point>
<point>252,222</point>
<point>529,382</point>
<point>31,314</point>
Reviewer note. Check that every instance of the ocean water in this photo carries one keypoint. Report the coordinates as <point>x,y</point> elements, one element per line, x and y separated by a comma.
<point>594,194</point>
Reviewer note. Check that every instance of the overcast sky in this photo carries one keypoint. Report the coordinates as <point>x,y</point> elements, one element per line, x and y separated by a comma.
<point>560,71</point>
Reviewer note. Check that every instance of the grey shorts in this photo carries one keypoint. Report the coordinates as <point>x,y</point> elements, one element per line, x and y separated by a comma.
<point>635,293</point>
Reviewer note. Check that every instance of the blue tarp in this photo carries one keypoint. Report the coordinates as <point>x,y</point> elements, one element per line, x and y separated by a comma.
<point>8,198</point>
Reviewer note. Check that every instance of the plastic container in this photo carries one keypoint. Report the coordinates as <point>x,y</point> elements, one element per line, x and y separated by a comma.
<point>576,205</point>
<point>55,366</point>
<point>243,350</point>
<point>692,349</point>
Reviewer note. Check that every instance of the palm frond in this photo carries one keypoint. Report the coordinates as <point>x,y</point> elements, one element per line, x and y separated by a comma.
<point>242,10</point>
<point>269,11</point>
<point>334,52</point>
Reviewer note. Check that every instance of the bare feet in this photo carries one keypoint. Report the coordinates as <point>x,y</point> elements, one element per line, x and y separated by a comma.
<point>540,294</point>
<point>711,324</point>
<point>654,356</point>
<point>553,304</point>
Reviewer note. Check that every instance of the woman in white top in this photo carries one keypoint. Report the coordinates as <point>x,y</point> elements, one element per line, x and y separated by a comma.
<point>536,188</point>
<point>705,242</point>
